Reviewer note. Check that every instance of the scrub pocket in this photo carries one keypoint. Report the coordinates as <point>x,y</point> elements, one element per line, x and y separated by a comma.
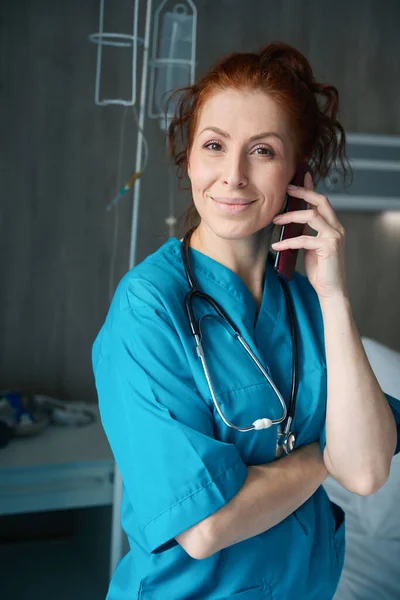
<point>242,406</point>
<point>261,592</point>
<point>257,593</point>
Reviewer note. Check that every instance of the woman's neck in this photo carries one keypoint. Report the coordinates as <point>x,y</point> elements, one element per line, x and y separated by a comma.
<point>244,256</point>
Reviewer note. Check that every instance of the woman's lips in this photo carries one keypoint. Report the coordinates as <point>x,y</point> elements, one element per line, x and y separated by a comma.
<point>232,205</point>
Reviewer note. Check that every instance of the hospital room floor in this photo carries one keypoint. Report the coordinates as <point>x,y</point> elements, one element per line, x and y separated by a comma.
<point>49,570</point>
<point>65,557</point>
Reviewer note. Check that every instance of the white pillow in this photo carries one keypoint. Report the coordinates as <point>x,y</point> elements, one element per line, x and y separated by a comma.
<point>385,364</point>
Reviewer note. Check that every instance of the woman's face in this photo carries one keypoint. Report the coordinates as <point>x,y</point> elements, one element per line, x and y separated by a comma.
<point>241,160</point>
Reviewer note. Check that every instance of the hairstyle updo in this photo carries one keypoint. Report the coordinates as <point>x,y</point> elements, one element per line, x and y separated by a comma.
<point>286,76</point>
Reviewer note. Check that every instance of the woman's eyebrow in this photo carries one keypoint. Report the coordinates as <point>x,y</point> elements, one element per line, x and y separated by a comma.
<point>258,136</point>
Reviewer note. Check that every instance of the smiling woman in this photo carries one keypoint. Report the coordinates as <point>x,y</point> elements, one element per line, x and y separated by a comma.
<point>285,80</point>
<point>238,169</point>
<point>239,134</point>
<point>238,173</point>
<point>212,507</point>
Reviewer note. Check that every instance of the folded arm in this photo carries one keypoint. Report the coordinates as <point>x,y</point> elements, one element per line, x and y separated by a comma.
<point>270,493</point>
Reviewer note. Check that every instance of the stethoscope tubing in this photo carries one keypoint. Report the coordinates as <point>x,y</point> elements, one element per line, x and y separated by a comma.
<point>195,329</point>
<point>200,353</point>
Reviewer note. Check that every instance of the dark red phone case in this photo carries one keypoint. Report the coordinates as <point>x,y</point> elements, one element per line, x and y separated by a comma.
<point>285,261</point>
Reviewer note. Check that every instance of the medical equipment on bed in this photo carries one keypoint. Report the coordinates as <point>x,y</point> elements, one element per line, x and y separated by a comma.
<point>286,438</point>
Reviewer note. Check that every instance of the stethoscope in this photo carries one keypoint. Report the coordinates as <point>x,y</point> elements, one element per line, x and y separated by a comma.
<point>286,438</point>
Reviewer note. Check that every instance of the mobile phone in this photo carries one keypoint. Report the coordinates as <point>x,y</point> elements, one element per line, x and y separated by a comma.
<point>285,261</point>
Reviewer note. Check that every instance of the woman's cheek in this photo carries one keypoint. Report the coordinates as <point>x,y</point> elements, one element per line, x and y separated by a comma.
<point>202,178</point>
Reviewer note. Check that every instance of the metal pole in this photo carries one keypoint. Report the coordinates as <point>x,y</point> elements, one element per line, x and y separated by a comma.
<point>117,534</point>
<point>139,145</point>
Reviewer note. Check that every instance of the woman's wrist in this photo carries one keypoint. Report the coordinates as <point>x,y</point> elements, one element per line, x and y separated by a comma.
<point>313,452</point>
<point>340,302</point>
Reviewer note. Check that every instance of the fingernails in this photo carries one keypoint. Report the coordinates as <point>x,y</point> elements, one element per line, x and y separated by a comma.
<point>291,186</point>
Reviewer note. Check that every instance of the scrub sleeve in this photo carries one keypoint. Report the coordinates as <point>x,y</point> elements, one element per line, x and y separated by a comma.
<point>175,473</point>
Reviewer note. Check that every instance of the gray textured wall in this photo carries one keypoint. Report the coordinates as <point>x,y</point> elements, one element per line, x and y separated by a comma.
<point>59,165</point>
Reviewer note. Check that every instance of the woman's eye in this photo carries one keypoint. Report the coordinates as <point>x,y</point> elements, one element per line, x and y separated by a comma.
<point>262,151</point>
<point>213,146</point>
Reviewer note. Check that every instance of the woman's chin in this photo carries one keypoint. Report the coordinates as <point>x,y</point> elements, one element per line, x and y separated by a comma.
<point>236,231</point>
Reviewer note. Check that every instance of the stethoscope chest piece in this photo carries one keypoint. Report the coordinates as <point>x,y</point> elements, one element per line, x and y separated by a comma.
<point>286,439</point>
<point>287,442</point>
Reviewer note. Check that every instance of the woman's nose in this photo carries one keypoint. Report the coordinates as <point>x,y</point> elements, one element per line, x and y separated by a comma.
<point>235,172</point>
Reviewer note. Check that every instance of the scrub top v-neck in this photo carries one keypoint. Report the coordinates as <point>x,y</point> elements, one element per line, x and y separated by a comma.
<point>179,462</point>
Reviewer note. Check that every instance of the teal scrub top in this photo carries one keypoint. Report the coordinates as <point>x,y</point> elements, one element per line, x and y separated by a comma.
<point>179,462</point>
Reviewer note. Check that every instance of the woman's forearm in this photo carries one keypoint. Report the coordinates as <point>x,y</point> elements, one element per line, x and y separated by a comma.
<point>360,428</point>
<point>270,493</point>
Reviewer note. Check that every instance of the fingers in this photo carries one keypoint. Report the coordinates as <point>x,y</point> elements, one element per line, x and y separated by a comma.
<point>320,202</point>
<point>323,246</point>
<point>311,217</point>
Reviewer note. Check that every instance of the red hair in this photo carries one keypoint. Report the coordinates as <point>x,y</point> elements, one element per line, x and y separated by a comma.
<point>283,73</point>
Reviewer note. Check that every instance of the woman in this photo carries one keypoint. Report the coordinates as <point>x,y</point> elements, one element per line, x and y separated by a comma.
<point>212,512</point>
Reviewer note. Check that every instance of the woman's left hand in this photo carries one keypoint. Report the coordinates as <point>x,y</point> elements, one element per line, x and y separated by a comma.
<point>323,253</point>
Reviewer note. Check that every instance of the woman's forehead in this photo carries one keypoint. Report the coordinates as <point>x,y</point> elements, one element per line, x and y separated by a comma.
<point>234,111</point>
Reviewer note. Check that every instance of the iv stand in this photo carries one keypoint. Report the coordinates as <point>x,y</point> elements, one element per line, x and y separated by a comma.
<point>117,534</point>
<point>124,40</point>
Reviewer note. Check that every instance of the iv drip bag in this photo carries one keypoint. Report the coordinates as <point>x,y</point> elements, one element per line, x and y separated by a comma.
<point>173,61</point>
